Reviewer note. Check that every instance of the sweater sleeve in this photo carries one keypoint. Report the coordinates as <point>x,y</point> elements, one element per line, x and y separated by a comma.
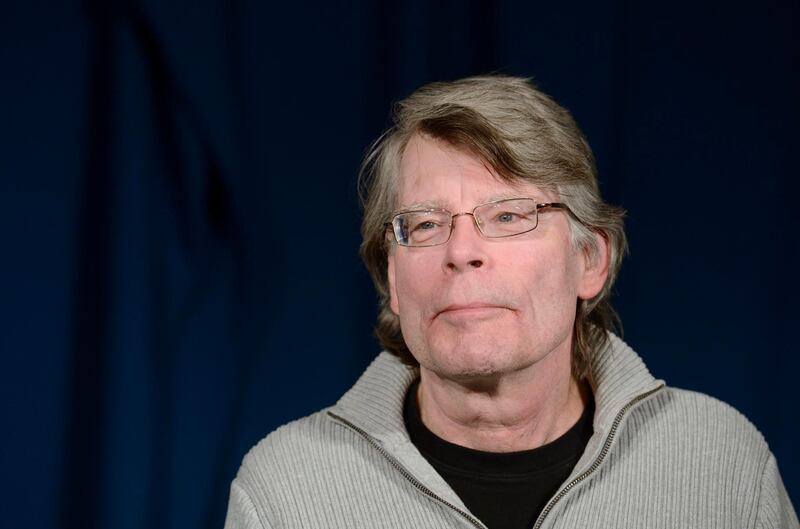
<point>241,511</point>
<point>774,506</point>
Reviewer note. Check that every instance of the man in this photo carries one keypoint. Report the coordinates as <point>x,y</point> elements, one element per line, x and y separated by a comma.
<point>503,400</point>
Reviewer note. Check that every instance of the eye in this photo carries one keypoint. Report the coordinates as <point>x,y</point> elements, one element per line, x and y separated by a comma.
<point>425,225</point>
<point>506,217</point>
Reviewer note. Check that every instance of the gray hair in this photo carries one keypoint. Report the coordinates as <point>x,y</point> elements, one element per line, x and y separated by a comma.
<point>524,136</point>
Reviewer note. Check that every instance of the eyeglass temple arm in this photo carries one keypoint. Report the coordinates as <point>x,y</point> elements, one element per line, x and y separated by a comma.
<point>558,205</point>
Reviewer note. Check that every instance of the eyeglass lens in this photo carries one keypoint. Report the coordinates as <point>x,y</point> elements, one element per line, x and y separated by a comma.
<point>495,219</point>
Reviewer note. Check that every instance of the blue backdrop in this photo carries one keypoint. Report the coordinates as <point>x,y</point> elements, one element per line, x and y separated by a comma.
<point>165,303</point>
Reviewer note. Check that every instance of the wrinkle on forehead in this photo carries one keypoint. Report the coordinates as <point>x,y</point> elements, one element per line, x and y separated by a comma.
<point>447,158</point>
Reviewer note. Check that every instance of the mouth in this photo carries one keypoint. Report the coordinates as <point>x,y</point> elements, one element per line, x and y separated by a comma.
<point>470,311</point>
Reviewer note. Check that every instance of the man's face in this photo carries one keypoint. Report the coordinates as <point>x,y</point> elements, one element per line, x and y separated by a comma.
<point>482,307</point>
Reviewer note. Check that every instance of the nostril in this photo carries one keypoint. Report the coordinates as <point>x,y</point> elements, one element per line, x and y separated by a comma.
<point>476,263</point>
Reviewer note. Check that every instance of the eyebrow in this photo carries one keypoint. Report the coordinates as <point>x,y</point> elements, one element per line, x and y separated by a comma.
<point>504,196</point>
<point>438,204</point>
<point>428,204</point>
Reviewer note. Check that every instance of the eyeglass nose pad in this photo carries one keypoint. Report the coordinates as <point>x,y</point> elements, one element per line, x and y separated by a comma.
<point>475,222</point>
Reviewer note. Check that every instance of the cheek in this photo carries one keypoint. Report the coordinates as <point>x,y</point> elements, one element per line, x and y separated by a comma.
<point>410,291</point>
<point>552,286</point>
<point>409,281</point>
<point>412,285</point>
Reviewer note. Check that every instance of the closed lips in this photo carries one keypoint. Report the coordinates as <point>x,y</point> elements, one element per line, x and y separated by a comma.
<point>469,306</point>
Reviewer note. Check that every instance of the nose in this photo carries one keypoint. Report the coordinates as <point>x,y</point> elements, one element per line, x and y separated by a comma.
<point>465,249</point>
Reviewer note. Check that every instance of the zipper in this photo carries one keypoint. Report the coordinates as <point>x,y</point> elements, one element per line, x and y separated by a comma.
<point>597,462</point>
<point>405,473</point>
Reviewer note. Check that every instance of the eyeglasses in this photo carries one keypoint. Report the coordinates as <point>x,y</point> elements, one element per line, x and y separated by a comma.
<point>502,218</point>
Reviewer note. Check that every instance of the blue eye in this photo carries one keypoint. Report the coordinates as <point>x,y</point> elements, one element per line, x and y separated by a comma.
<point>427,225</point>
<point>506,217</point>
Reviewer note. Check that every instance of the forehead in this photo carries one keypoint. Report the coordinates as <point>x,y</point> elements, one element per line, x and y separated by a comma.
<point>436,174</point>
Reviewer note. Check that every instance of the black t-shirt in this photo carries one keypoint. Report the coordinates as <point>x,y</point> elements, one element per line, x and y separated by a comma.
<point>504,490</point>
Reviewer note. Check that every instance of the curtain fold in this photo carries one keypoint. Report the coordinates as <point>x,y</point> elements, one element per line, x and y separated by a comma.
<point>180,222</point>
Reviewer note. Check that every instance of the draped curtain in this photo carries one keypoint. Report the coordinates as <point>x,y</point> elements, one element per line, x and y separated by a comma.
<point>180,223</point>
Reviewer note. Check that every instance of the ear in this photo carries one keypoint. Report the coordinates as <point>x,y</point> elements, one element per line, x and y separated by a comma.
<point>393,304</point>
<point>595,270</point>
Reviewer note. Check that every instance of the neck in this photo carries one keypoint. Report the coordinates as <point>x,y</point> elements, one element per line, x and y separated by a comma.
<point>512,412</point>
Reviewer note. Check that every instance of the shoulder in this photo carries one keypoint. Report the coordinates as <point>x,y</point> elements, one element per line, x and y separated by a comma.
<point>280,467</point>
<point>309,457</point>
<point>689,422</point>
<point>700,412</point>
<point>290,449</point>
<point>318,467</point>
<point>694,449</point>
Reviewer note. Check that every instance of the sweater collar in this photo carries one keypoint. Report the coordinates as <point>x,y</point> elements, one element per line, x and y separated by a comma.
<point>375,402</point>
<point>374,405</point>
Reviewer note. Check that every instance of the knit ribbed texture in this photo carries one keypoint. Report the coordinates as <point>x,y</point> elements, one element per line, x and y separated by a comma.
<point>673,458</point>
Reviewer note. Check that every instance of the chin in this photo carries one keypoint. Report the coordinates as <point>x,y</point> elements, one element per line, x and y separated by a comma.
<point>472,360</point>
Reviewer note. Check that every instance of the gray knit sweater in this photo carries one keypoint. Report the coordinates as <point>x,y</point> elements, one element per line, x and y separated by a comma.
<point>659,457</point>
